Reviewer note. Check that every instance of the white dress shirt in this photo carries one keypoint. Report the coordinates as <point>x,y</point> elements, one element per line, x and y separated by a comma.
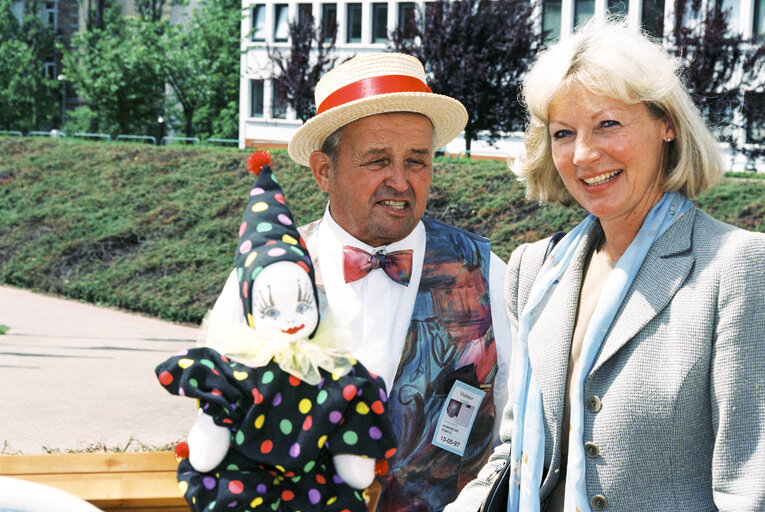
<point>376,309</point>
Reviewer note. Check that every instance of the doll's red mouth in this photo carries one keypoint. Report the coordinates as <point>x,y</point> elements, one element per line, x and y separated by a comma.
<point>293,330</point>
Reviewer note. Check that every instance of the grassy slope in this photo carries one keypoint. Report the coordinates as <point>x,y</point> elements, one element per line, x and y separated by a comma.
<point>153,229</point>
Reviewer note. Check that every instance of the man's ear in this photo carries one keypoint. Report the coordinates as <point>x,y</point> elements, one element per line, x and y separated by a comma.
<point>321,166</point>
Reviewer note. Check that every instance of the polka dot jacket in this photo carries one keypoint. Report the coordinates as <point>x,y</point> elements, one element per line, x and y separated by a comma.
<point>283,433</point>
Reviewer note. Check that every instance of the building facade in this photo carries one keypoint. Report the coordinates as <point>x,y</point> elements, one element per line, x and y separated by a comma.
<point>364,27</point>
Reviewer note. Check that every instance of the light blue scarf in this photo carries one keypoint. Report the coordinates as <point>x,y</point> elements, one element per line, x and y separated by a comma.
<point>528,441</point>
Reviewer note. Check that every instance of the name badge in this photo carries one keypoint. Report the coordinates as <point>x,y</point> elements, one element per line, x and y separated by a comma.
<point>456,419</point>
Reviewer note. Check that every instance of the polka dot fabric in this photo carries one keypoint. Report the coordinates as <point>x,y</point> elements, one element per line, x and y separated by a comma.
<point>283,433</point>
<point>267,234</point>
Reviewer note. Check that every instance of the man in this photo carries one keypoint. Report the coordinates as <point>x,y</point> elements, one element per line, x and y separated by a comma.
<point>423,301</point>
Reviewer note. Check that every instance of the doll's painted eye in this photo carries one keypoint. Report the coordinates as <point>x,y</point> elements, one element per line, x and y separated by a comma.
<point>303,307</point>
<point>270,313</point>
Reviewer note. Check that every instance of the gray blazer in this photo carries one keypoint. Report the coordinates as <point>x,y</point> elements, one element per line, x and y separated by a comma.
<point>675,402</point>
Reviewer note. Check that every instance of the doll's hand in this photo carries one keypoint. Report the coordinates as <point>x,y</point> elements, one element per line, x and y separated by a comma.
<point>355,470</point>
<point>208,443</point>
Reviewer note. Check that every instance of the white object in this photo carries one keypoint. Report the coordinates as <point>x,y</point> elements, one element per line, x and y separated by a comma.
<point>23,496</point>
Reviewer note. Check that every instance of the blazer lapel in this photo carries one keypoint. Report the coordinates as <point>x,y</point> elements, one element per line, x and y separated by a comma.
<point>664,270</point>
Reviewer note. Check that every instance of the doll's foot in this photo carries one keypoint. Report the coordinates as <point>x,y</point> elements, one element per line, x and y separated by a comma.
<point>208,443</point>
<point>356,471</point>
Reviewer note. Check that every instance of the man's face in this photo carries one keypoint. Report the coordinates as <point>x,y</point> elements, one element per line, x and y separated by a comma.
<point>379,188</point>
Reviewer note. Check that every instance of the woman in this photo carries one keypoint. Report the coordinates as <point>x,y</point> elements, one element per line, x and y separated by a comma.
<point>639,344</point>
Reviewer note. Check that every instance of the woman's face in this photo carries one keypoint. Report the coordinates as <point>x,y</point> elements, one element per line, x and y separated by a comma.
<point>608,153</point>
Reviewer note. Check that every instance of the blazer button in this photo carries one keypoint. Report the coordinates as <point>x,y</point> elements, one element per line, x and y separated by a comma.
<point>591,449</point>
<point>594,404</point>
<point>598,502</point>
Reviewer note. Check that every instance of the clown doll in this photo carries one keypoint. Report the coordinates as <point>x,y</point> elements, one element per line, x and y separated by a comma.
<point>287,419</point>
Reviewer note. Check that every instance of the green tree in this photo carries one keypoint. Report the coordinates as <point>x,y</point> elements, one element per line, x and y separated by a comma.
<point>29,97</point>
<point>15,73</point>
<point>201,64</point>
<point>153,10</point>
<point>115,72</point>
<point>15,85</point>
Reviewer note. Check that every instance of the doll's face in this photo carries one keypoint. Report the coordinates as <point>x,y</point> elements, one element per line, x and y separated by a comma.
<point>283,304</point>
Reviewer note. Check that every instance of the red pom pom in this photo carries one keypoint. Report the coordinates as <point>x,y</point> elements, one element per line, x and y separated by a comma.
<point>381,466</point>
<point>257,160</point>
<point>182,450</point>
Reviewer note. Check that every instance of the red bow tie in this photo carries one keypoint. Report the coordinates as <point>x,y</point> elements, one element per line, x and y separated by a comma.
<point>358,263</point>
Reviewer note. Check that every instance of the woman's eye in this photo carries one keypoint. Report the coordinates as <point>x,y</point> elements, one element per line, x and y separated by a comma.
<point>609,123</point>
<point>303,307</point>
<point>270,313</point>
<point>561,134</point>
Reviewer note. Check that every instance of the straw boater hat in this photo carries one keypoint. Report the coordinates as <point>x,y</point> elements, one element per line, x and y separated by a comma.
<point>375,84</point>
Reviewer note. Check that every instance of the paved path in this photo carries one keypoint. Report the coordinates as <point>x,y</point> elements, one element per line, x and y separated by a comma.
<point>75,376</point>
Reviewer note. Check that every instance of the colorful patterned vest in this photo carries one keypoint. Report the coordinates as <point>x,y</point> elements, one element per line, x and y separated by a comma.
<point>450,330</point>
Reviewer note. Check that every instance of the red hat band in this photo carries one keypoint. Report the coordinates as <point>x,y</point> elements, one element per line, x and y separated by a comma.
<point>372,86</point>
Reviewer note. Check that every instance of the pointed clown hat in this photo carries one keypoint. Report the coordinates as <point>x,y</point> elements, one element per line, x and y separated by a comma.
<point>372,84</point>
<point>268,233</point>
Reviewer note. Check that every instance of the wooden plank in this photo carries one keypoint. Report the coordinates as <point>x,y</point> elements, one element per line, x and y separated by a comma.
<point>112,486</point>
<point>125,482</point>
<point>13,465</point>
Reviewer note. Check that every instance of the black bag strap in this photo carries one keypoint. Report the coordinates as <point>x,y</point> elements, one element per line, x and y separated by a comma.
<point>496,499</point>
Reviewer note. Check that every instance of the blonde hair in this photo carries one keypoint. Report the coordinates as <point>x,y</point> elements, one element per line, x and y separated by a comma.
<point>612,61</point>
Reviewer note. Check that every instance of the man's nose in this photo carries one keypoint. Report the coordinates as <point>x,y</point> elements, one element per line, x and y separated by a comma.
<point>586,151</point>
<point>397,177</point>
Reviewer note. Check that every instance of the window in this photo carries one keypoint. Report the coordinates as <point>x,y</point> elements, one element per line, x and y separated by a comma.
<point>754,108</point>
<point>583,11</point>
<point>618,8</point>
<point>433,10</point>
<point>328,21</point>
<point>353,23</point>
<point>281,22</point>
<point>379,23</point>
<point>305,12</point>
<point>406,20</point>
<point>653,18</point>
<point>50,70</point>
<point>256,98</point>
<point>278,101</point>
<point>551,18</point>
<point>258,17</point>
<point>50,14</point>
<point>759,18</point>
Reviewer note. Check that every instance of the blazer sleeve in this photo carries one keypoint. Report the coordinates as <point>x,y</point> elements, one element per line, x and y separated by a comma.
<point>737,380</point>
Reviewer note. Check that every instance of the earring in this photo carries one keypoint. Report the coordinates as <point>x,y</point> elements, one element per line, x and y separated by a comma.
<point>668,140</point>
